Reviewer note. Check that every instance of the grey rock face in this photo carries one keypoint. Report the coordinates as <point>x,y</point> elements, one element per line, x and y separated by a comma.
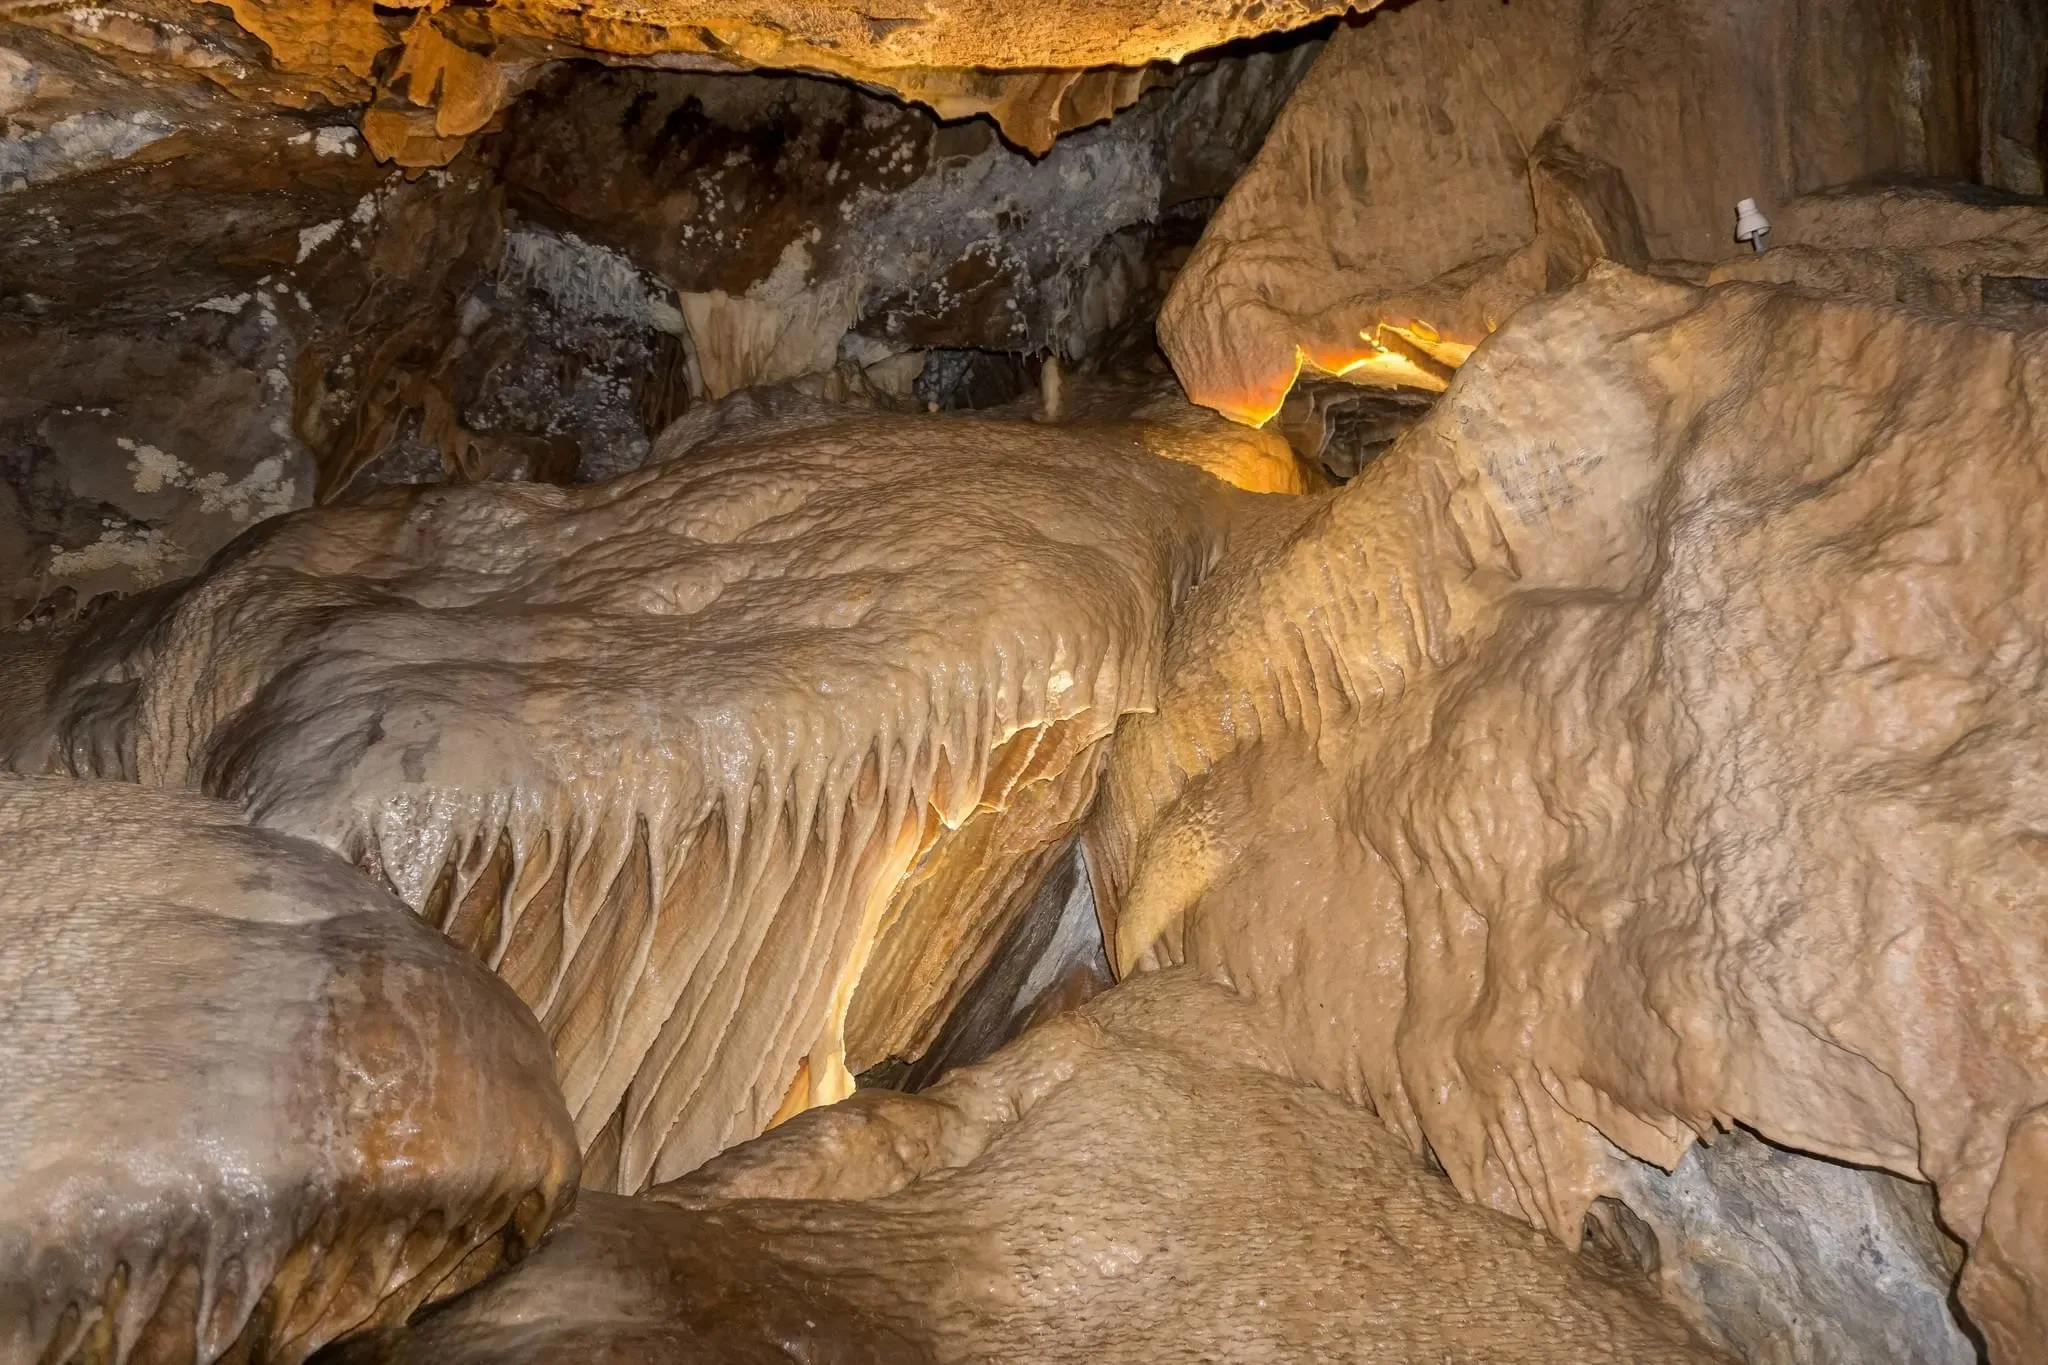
<point>1793,1260</point>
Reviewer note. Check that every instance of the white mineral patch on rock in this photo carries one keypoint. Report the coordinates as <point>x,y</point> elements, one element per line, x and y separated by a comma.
<point>145,551</point>
<point>264,491</point>
<point>313,238</point>
<point>73,144</point>
<point>152,467</point>
<point>583,279</point>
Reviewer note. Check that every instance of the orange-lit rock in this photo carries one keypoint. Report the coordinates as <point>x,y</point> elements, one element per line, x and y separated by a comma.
<point>1447,162</point>
<point>436,75</point>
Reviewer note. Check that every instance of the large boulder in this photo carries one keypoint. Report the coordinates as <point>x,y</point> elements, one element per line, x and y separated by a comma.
<point>1650,742</point>
<point>1132,1183</point>
<point>248,1102</point>
<point>737,768</point>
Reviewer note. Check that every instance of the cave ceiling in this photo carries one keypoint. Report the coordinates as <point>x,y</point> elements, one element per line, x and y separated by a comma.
<point>429,75</point>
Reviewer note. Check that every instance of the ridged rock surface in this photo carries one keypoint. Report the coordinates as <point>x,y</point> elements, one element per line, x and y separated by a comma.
<point>1444,163</point>
<point>683,756</point>
<point>1652,741</point>
<point>248,1101</point>
<point>1132,1183</point>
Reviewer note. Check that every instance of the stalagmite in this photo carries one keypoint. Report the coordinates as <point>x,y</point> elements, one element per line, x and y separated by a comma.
<point>248,1102</point>
<point>684,757</point>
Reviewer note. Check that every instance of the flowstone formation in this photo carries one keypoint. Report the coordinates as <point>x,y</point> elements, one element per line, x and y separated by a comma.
<point>868,741</point>
<point>1137,1182</point>
<point>1944,249</point>
<point>737,769</point>
<point>1444,163</point>
<point>1648,744</point>
<point>248,1101</point>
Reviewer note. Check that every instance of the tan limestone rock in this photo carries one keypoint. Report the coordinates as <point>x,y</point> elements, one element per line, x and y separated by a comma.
<point>439,74</point>
<point>1944,249</point>
<point>1648,743</point>
<point>1444,163</point>
<point>1132,1183</point>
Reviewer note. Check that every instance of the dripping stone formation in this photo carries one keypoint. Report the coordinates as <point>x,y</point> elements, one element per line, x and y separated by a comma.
<point>1024,680</point>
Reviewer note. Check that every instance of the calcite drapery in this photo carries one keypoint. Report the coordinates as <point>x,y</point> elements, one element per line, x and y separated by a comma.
<point>248,1101</point>
<point>1650,742</point>
<point>678,755</point>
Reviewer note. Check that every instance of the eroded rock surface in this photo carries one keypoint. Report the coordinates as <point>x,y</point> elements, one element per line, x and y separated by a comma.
<point>1444,163</point>
<point>1130,1183</point>
<point>788,211</point>
<point>1648,743</point>
<point>213,308</point>
<point>695,758</point>
<point>248,1102</point>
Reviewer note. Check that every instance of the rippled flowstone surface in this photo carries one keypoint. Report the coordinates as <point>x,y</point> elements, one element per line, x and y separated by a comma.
<point>1132,1183</point>
<point>1649,742</point>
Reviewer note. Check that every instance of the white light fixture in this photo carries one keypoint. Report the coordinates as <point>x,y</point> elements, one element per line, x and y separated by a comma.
<point>1750,223</point>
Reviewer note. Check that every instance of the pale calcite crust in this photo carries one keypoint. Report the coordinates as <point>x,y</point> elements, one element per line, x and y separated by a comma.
<point>248,1102</point>
<point>681,754</point>
<point>1135,1183</point>
<point>1652,741</point>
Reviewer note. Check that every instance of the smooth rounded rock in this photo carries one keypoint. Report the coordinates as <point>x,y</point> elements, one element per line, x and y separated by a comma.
<point>248,1101</point>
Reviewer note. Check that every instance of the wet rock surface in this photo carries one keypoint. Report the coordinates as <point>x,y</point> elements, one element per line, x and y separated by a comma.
<point>248,1101</point>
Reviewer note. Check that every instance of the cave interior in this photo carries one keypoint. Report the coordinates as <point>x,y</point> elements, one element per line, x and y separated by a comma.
<point>1475,808</point>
